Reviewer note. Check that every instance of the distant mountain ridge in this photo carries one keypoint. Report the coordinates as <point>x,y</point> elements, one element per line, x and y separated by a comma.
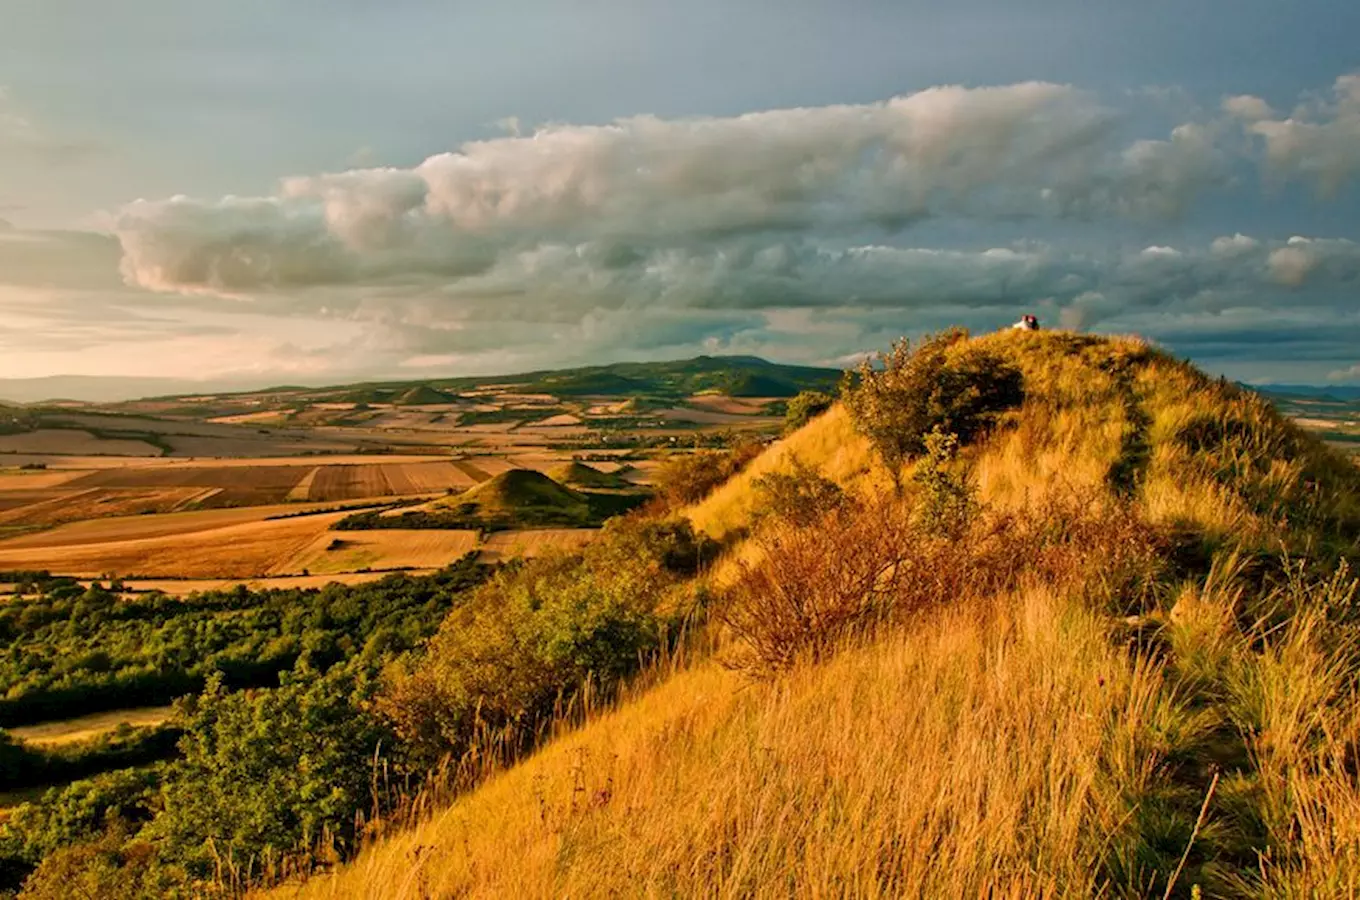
<point>738,376</point>
<point>1335,391</point>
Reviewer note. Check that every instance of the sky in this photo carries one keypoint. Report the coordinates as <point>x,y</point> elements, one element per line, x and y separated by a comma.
<point>318,192</point>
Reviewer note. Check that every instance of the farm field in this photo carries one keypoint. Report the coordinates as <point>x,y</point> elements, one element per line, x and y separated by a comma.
<point>55,507</point>
<point>187,492</point>
<point>83,728</point>
<point>70,441</point>
<point>393,548</point>
<point>242,550</point>
<point>95,531</point>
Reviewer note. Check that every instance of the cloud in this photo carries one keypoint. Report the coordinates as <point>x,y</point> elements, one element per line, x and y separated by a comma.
<point>1318,142</point>
<point>638,184</point>
<point>808,234</point>
<point>1247,108</point>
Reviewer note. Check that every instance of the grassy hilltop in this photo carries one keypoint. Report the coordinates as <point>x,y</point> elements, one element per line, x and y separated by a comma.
<point>1117,657</point>
<point>1023,615</point>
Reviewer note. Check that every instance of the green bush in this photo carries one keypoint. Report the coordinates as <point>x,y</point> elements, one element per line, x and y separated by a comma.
<point>957,389</point>
<point>801,497</point>
<point>804,407</point>
<point>687,479</point>
<point>70,651</point>
<point>947,498</point>
<point>113,866</point>
<point>80,811</point>
<point>535,634</point>
<point>266,774</point>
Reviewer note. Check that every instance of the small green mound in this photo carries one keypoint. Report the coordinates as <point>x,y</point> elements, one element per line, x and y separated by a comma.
<point>423,395</point>
<point>526,496</point>
<point>582,475</point>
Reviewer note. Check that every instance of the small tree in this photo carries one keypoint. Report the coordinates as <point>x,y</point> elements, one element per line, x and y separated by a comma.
<point>959,390</point>
<point>800,497</point>
<point>947,501</point>
<point>804,407</point>
<point>691,477</point>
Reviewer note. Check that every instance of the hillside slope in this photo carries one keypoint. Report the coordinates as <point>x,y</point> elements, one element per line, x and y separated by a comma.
<point>1144,683</point>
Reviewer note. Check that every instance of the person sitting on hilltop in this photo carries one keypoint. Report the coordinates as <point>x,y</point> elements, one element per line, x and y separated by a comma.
<point>1027,323</point>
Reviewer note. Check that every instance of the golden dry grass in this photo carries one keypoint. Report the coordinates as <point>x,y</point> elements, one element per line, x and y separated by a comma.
<point>828,443</point>
<point>1005,773</point>
<point>1021,745</point>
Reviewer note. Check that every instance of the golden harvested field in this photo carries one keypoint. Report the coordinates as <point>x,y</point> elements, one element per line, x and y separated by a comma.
<point>389,548</point>
<point>246,550</point>
<point>307,460</point>
<point>245,448</point>
<point>14,499</point>
<point>32,480</point>
<point>559,421</point>
<point>473,470</point>
<point>426,478</point>
<point>503,545</point>
<point>97,531</point>
<point>69,441</point>
<point>349,482</point>
<point>96,503</point>
<point>736,406</point>
<point>303,488</point>
<point>236,486</point>
<point>85,727</point>
<point>706,417</point>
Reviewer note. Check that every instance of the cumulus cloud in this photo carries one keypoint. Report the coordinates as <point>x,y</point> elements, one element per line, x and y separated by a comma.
<point>1318,142</point>
<point>1247,108</point>
<point>1024,150</point>
<point>797,233</point>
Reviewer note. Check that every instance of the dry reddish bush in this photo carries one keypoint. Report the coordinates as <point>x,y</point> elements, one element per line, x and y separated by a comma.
<point>859,567</point>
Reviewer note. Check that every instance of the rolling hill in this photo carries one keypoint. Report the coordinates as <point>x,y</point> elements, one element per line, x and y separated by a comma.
<point>524,495</point>
<point>737,376</point>
<point>578,474</point>
<point>1133,675</point>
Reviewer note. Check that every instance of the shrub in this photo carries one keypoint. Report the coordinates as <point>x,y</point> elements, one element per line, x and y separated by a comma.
<point>687,479</point>
<point>800,497</point>
<point>111,867</point>
<point>80,811</point>
<point>947,501</point>
<point>804,407</point>
<point>816,584</point>
<point>535,634</point>
<point>959,390</point>
<point>270,773</point>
